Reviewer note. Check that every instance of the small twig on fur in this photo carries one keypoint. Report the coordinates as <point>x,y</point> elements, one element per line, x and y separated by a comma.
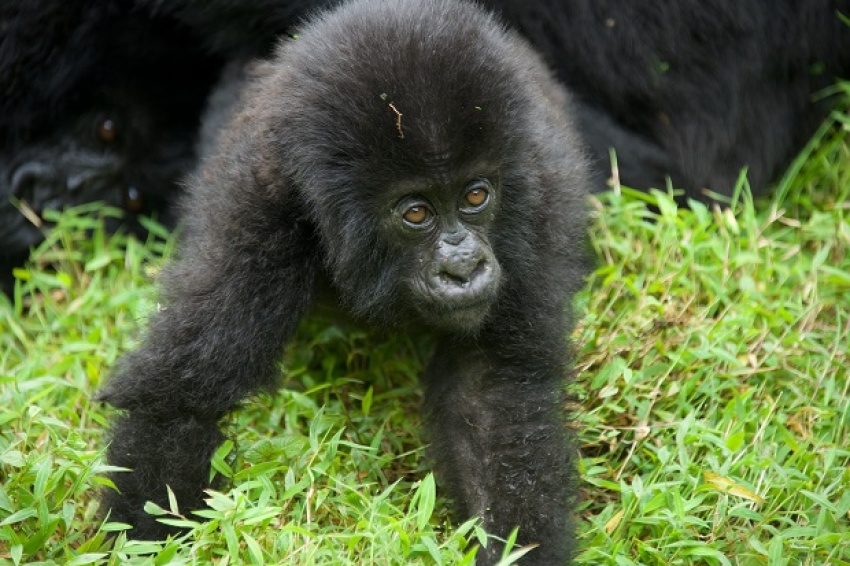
<point>397,120</point>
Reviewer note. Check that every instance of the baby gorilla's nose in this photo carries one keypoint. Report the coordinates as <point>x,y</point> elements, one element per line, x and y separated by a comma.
<point>463,261</point>
<point>463,264</point>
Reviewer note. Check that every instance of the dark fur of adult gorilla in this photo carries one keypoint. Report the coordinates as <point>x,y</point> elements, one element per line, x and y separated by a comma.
<point>418,160</point>
<point>98,101</point>
<point>694,90</point>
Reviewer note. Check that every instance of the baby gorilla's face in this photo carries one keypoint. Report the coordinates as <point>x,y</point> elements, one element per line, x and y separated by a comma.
<point>443,231</point>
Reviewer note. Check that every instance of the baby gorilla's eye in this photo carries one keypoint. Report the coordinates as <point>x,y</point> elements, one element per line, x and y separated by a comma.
<point>476,197</point>
<point>417,215</point>
<point>106,129</point>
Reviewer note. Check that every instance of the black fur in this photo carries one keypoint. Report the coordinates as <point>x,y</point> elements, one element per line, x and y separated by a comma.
<point>302,192</point>
<point>238,28</point>
<point>693,89</point>
<point>65,66</point>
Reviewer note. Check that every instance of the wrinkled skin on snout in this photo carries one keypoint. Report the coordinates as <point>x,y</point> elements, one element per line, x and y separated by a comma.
<point>457,275</point>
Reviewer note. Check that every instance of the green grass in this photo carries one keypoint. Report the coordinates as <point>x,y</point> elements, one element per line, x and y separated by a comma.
<point>713,414</point>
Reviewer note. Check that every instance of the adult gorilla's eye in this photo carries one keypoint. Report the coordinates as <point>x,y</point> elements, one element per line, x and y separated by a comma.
<point>134,200</point>
<point>106,129</point>
<point>476,197</point>
<point>417,215</point>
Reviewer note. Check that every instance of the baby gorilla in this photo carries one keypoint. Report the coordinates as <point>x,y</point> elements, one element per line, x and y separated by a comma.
<point>418,160</point>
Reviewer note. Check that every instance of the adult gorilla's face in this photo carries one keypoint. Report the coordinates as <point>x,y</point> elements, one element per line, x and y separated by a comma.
<point>79,163</point>
<point>100,103</point>
<point>110,155</point>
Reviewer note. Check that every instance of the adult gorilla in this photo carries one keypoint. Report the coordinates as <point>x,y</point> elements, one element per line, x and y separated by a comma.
<point>693,90</point>
<point>98,101</point>
<point>418,161</point>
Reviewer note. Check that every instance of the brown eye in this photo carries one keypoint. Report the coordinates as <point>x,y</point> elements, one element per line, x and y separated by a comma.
<point>134,200</point>
<point>417,214</point>
<point>476,197</point>
<point>106,129</point>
